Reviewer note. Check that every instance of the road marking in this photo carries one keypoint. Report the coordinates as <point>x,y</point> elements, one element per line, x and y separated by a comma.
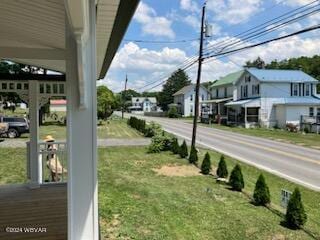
<point>297,156</point>
<point>272,171</point>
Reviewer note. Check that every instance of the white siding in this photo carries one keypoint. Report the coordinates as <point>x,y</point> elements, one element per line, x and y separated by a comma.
<point>221,91</point>
<point>281,116</point>
<point>242,83</point>
<point>189,101</point>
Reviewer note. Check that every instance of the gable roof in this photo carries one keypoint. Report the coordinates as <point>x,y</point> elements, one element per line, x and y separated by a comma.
<point>228,79</point>
<point>187,89</point>
<point>279,75</point>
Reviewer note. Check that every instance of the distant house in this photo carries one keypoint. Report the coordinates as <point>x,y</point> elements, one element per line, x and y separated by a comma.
<point>143,104</point>
<point>184,99</point>
<point>59,105</point>
<point>221,92</point>
<point>274,98</point>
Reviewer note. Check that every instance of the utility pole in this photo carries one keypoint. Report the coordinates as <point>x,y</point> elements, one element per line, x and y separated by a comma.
<point>124,96</point>
<point>196,105</point>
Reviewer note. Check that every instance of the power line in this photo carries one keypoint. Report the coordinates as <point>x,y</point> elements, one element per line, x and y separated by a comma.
<point>160,42</point>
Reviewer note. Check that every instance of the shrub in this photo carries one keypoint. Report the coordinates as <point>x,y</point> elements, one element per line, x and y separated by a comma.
<point>173,112</point>
<point>295,216</point>
<point>160,143</point>
<point>291,127</point>
<point>175,148</point>
<point>261,193</point>
<point>206,164</point>
<point>236,179</point>
<point>193,157</point>
<point>183,150</point>
<point>152,129</point>
<point>137,124</point>
<point>222,171</point>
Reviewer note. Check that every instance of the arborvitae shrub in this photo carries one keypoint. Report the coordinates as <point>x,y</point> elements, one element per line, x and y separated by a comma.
<point>183,150</point>
<point>193,157</point>
<point>175,146</point>
<point>206,164</point>
<point>295,216</point>
<point>222,171</point>
<point>236,179</point>
<point>261,193</point>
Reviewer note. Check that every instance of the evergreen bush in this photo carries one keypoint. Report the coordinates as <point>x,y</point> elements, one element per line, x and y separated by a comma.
<point>175,148</point>
<point>173,112</point>
<point>193,157</point>
<point>206,164</point>
<point>236,179</point>
<point>261,193</point>
<point>183,150</point>
<point>295,215</point>
<point>222,171</point>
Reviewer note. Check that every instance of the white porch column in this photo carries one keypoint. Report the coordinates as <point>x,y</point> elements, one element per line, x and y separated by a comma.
<point>82,140</point>
<point>35,165</point>
<point>245,117</point>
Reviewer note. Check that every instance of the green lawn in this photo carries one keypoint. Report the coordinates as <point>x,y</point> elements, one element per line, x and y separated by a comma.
<point>136,203</point>
<point>308,140</point>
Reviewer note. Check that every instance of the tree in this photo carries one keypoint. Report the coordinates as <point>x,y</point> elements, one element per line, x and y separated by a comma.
<point>193,157</point>
<point>206,164</point>
<point>295,215</point>
<point>261,193</point>
<point>173,112</point>
<point>236,179</point>
<point>175,148</point>
<point>106,102</point>
<point>258,63</point>
<point>183,150</point>
<point>222,171</point>
<point>175,82</point>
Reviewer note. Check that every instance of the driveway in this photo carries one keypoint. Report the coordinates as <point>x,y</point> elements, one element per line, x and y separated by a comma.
<point>295,163</point>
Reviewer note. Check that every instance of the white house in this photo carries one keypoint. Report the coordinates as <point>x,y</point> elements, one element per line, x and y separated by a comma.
<point>185,99</point>
<point>273,98</point>
<point>143,104</point>
<point>79,39</point>
<point>221,92</point>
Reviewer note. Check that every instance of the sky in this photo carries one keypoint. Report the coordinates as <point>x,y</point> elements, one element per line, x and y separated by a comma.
<point>176,20</point>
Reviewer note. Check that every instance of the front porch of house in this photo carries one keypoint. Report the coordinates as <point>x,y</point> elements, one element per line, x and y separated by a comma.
<point>214,110</point>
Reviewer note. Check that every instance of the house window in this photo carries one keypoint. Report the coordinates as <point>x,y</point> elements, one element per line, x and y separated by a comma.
<point>191,97</point>
<point>255,89</point>
<point>247,79</point>
<point>295,90</point>
<point>245,91</point>
<point>311,112</point>
<point>318,112</point>
<point>307,90</point>
<point>191,108</point>
<point>202,97</point>
<point>217,92</point>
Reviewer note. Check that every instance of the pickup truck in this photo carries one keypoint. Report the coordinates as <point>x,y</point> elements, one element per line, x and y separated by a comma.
<point>16,126</point>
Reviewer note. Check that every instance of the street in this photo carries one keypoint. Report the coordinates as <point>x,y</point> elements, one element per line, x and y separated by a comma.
<point>295,163</point>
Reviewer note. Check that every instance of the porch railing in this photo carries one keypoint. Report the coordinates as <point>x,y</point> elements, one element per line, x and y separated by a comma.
<point>53,160</point>
<point>310,119</point>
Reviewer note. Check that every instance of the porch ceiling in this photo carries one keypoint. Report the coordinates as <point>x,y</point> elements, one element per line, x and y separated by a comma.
<point>39,24</point>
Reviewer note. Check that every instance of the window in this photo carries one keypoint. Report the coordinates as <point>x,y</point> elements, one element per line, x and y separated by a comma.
<point>247,79</point>
<point>295,90</point>
<point>217,93</point>
<point>308,90</point>
<point>202,97</point>
<point>318,111</point>
<point>191,108</point>
<point>191,97</point>
<point>311,112</point>
<point>255,89</point>
<point>245,91</point>
<point>225,92</point>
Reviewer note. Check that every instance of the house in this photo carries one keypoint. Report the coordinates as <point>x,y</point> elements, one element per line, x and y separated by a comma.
<point>269,98</point>
<point>78,39</point>
<point>221,92</point>
<point>143,104</point>
<point>58,105</point>
<point>184,99</point>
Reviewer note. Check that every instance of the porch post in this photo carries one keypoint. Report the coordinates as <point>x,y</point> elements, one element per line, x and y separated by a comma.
<point>35,164</point>
<point>81,135</point>
<point>245,117</point>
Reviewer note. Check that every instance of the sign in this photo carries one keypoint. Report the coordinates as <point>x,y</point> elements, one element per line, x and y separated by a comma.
<point>285,197</point>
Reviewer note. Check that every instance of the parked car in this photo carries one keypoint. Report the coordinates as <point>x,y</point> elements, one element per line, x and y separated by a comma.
<point>17,126</point>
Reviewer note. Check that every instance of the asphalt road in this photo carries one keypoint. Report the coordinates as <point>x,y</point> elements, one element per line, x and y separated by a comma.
<point>295,163</point>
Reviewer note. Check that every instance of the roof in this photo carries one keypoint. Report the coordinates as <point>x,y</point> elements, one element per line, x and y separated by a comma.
<point>252,102</point>
<point>187,89</point>
<point>278,75</point>
<point>228,79</point>
<point>217,100</point>
<point>142,99</point>
<point>298,101</point>
<point>58,102</point>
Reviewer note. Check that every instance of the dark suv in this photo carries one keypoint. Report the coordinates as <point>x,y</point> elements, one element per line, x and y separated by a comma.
<point>17,125</point>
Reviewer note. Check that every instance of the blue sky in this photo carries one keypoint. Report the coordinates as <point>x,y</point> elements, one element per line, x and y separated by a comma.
<point>174,20</point>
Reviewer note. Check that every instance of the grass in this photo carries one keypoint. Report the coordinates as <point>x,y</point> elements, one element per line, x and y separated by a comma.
<point>307,140</point>
<point>136,203</point>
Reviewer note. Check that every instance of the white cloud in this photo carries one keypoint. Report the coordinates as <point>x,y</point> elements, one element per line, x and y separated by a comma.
<point>151,23</point>
<point>294,2</point>
<point>189,5</point>
<point>234,11</point>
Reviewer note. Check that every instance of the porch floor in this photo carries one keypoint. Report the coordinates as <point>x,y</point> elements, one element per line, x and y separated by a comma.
<point>44,207</point>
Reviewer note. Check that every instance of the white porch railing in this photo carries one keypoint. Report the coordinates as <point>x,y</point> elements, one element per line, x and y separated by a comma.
<point>52,162</point>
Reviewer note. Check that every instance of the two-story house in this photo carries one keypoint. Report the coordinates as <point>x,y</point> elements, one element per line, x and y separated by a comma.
<point>143,104</point>
<point>273,98</point>
<point>184,99</point>
<point>221,92</point>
